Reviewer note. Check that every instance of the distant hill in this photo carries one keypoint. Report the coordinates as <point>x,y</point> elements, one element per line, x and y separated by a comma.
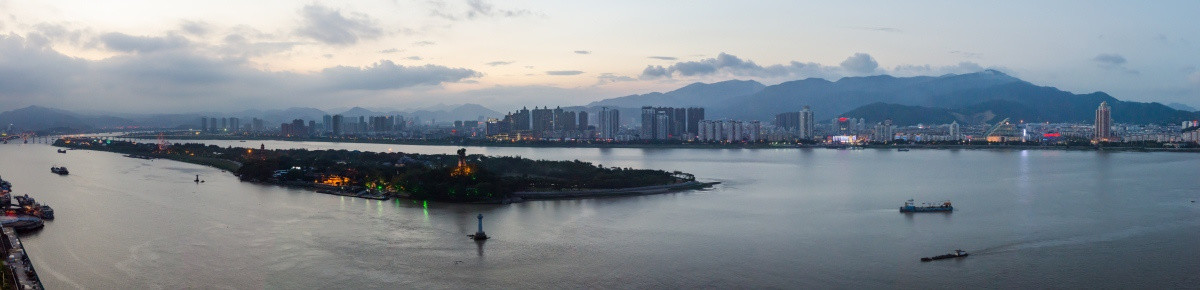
<point>972,98</point>
<point>696,94</point>
<point>1182,107</point>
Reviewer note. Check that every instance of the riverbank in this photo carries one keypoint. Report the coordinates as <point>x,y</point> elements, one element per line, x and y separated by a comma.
<point>463,142</point>
<point>589,193</point>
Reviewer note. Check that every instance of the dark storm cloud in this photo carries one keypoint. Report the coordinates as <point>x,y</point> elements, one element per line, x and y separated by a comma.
<point>860,63</point>
<point>142,44</point>
<point>664,57</point>
<point>329,26</point>
<point>564,72</point>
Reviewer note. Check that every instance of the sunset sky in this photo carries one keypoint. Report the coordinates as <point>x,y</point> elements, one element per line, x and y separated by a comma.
<point>197,56</point>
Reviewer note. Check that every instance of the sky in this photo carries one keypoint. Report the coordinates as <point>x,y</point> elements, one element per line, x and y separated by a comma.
<point>212,56</point>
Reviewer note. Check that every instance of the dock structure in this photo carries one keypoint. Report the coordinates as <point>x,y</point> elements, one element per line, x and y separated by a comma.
<point>21,273</point>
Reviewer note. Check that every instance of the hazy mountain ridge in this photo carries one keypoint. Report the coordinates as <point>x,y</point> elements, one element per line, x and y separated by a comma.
<point>692,95</point>
<point>974,98</point>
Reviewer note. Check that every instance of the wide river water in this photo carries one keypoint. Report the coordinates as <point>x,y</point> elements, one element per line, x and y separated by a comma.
<point>782,218</point>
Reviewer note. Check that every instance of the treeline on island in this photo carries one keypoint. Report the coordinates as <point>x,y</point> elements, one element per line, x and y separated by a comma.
<point>420,176</point>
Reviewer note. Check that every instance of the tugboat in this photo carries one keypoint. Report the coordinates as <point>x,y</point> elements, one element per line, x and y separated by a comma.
<point>955,254</point>
<point>60,170</point>
<point>909,207</point>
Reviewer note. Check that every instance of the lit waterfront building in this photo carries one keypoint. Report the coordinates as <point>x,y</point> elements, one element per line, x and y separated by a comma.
<point>609,121</point>
<point>1103,129</point>
<point>806,124</point>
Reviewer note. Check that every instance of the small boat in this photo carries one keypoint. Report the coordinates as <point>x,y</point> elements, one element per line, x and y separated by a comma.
<point>955,254</point>
<point>64,151</point>
<point>60,170</point>
<point>902,149</point>
<point>910,207</point>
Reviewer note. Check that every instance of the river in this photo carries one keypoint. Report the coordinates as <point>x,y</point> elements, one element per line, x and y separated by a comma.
<point>782,218</point>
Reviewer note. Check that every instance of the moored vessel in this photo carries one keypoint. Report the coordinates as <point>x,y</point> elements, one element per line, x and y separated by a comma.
<point>60,170</point>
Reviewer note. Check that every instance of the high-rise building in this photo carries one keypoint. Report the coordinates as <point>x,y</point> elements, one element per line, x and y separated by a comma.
<point>955,131</point>
<point>805,125</point>
<point>336,122</point>
<point>224,124</point>
<point>542,119</point>
<point>609,121</point>
<point>583,120</point>
<point>234,124</point>
<point>1103,129</point>
<point>203,124</point>
<point>212,124</point>
<point>327,126</point>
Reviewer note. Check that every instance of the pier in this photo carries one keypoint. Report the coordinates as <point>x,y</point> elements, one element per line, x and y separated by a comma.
<point>20,273</point>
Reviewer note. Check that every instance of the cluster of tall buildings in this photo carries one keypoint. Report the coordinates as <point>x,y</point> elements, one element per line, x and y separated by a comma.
<point>729,131</point>
<point>800,123</point>
<point>229,125</point>
<point>664,123</point>
<point>541,123</point>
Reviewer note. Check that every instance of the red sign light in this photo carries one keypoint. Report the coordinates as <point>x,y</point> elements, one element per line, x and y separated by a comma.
<point>843,119</point>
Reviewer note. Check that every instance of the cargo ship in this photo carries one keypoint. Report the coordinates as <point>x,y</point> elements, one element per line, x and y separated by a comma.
<point>924,207</point>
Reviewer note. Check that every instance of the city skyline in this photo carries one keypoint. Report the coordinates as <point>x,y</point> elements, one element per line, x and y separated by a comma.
<point>213,56</point>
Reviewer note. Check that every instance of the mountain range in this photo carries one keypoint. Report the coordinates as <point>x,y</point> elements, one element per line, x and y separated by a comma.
<point>973,98</point>
<point>981,97</point>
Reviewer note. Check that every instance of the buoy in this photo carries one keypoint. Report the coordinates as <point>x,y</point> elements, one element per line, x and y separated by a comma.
<point>479,235</point>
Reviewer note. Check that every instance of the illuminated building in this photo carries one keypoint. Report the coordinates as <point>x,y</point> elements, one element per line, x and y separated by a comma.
<point>1103,129</point>
<point>1004,131</point>
<point>609,121</point>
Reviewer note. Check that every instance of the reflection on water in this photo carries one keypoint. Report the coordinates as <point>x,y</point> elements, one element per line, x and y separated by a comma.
<point>783,218</point>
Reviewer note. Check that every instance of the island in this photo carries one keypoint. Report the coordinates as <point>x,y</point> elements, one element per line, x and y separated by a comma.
<point>383,175</point>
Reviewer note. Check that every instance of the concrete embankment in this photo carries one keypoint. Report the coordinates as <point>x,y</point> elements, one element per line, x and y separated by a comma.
<point>644,190</point>
<point>22,276</point>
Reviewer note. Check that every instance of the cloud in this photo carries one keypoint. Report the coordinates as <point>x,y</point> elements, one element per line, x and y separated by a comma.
<point>860,63</point>
<point>142,44</point>
<point>1112,61</point>
<point>387,75</point>
<point>908,70</point>
<point>499,63</point>
<point>414,58</point>
<point>878,28</point>
<point>329,26</point>
<point>966,54</point>
<point>188,79</point>
<point>423,43</point>
<point>390,50</point>
<point>655,71</point>
<point>197,28</point>
<point>664,57</point>
<point>606,78</point>
<point>473,9</point>
<point>582,52</point>
<point>563,72</point>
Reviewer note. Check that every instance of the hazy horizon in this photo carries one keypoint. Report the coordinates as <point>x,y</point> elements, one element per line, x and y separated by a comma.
<point>223,56</point>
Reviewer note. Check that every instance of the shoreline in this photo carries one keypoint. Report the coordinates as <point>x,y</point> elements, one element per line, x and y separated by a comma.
<point>624,145</point>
